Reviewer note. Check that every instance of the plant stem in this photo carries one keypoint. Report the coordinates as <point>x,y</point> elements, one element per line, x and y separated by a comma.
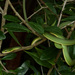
<point>18,15</point>
<point>69,34</point>
<point>24,48</point>
<point>4,12</point>
<point>64,4</point>
<point>5,68</point>
<point>1,11</point>
<point>39,3</point>
<point>24,10</point>
<point>57,70</point>
<point>42,70</point>
<point>36,12</point>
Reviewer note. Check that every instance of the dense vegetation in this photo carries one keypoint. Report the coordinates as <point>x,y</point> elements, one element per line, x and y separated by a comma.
<point>44,37</point>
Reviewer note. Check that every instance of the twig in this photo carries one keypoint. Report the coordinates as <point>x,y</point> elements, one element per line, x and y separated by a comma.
<point>5,68</point>
<point>64,4</point>
<point>45,18</point>
<point>17,14</point>
<point>36,12</point>
<point>39,3</point>
<point>66,30</point>
<point>73,70</point>
<point>5,32</point>
<point>70,0</point>
<point>57,70</point>
<point>24,48</point>
<point>4,12</point>
<point>50,70</point>
<point>48,8</point>
<point>69,34</point>
<point>49,43</point>
<point>1,11</point>
<point>68,24</point>
<point>42,70</point>
<point>20,3</point>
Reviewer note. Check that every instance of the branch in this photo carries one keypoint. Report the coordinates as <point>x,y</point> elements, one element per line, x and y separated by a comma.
<point>39,3</point>
<point>50,70</point>
<point>68,24</point>
<point>5,68</point>
<point>57,70</point>
<point>64,4</point>
<point>4,12</point>
<point>24,48</point>
<point>69,34</point>
<point>17,14</point>
<point>48,8</point>
<point>36,12</point>
<point>1,11</point>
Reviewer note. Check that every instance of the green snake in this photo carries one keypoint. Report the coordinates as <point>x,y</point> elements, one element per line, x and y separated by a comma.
<point>64,43</point>
<point>10,49</point>
<point>61,41</point>
<point>56,39</point>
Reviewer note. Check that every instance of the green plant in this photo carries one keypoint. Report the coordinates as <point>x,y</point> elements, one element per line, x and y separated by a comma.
<point>55,31</point>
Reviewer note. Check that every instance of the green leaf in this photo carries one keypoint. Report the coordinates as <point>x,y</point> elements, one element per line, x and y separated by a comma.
<point>15,27</point>
<point>22,70</point>
<point>67,73</point>
<point>11,18</point>
<point>33,68</point>
<point>38,28</point>
<point>54,72</point>
<point>39,51</point>
<point>70,18</point>
<point>9,56</point>
<point>69,12</point>
<point>51,61</point>
<point>49,53</point>
<point>64,68</point>
<point>51,7</point>
<point>14,37</point>
<point>64,24</point>
<point>39,20</point>
<point>37,59</point>
<point>54,29</point>
<point>2,36</point>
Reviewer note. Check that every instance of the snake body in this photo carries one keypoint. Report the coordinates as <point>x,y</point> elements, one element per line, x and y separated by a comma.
<point>59,40</point>
<point>10,49</point>
<point>56,39</point>
<point>64,44</point>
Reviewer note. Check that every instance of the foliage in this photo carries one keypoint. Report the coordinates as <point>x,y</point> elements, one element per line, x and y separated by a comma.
<point>46,55</point>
